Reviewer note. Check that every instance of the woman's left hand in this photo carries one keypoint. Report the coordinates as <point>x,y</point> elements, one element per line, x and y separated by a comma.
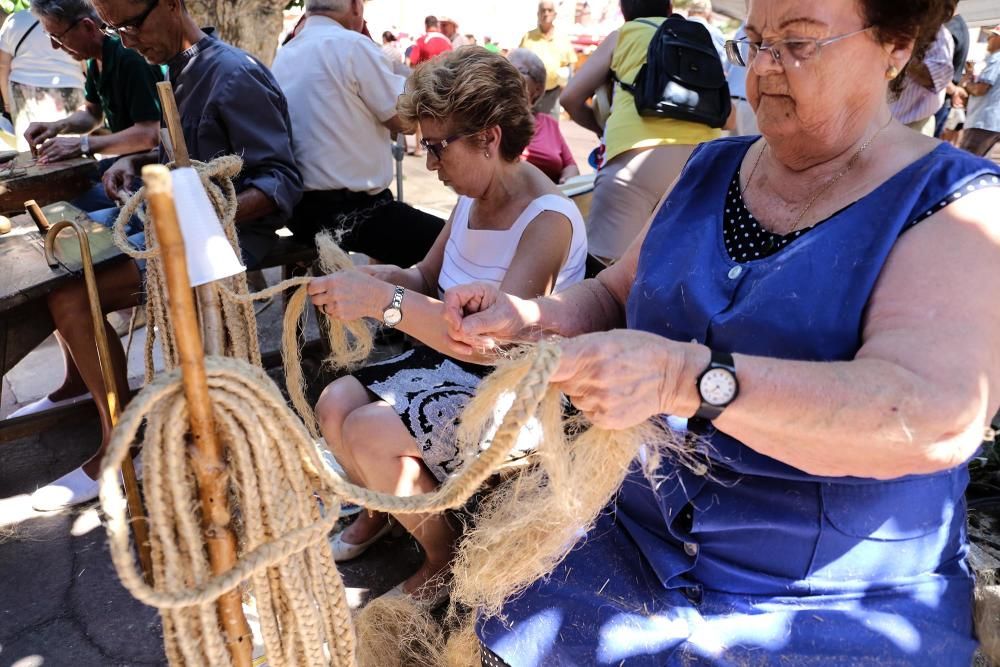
<point>349,295</point>
<point>621,378</point>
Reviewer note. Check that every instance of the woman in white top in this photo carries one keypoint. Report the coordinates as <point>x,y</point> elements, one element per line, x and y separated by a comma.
<point>38,82</point>
<point>390,426</point>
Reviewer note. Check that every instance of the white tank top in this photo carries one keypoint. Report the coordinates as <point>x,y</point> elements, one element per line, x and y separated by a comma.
<point>484,255</point>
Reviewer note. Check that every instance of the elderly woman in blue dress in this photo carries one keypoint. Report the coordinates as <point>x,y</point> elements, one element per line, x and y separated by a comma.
<point>820,301</point>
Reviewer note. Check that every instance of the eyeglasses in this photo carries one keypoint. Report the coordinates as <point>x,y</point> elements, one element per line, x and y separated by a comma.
<point>130,27</point>
<point>792,51</point>
<point>438,148</point>
<point>57,39</point>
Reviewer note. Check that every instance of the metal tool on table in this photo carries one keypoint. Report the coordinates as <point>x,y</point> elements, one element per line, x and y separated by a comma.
<point>113,393</point>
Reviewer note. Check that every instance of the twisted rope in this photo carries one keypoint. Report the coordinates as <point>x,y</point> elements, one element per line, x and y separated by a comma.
<point>300,595</point>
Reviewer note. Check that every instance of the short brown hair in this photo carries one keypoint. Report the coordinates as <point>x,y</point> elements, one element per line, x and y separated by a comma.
<point>899,22</point>
<point>471,90</point>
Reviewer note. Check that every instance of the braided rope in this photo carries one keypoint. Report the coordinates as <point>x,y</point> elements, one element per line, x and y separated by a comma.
<point>285,554</point>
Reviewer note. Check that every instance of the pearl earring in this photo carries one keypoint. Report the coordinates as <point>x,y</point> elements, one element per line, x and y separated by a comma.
<point>892,72</point>
<point>487,155</point>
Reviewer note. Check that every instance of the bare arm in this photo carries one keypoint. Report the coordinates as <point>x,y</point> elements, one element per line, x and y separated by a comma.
<point>978,89</point>
<point>252,204</point>
<point>140,137</point>
<point>568,172</point>
<point>914,400</point>
<point>396,125</point>
<point>591,76</point>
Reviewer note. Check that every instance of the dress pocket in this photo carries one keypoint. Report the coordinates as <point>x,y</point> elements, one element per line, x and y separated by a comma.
<point>894,510</point>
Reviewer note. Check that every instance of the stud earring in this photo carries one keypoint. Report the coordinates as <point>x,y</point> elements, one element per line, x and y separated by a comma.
<point>892,73</point>
<point>487,155</point>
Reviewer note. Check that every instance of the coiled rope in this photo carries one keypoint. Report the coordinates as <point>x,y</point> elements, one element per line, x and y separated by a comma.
<point>283,538</point>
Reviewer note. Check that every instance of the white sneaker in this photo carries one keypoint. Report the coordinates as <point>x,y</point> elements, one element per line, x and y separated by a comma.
<point>73,488</point>
<point>43,404</point>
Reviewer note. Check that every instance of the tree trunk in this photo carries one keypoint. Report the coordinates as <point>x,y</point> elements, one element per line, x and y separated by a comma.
<point>252,25</point>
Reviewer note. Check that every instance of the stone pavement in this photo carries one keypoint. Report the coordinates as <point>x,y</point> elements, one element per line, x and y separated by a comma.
<point>60,600</point>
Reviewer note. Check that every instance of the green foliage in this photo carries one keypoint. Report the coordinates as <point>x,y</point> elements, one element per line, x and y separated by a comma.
<point>11,6</point>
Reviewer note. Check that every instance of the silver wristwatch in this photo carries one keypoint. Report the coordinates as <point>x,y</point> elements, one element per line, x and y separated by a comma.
<point>393,313</point>
<point>85,145</point>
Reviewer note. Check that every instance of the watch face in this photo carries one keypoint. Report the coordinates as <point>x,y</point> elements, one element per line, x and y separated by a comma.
<point>717,386</point>
<point>392,316</point>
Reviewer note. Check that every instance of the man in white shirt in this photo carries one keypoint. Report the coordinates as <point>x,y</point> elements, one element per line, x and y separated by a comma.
<point>341,96</point>
<point>924,85</point>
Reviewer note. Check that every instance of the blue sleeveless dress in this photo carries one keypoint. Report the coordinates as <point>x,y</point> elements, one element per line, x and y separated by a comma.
<point>761,563</point>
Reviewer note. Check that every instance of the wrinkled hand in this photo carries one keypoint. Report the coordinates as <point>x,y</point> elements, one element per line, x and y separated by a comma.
<point>481,317</point>
<point>349,295</point>
<point>60,148</point>
<point>621,378</point>
<point>37,133</point>
<point>118,179</point>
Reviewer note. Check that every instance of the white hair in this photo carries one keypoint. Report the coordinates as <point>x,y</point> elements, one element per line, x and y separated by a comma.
<point>700,7</point>
<point>531,62</point>
<point>335,6</point>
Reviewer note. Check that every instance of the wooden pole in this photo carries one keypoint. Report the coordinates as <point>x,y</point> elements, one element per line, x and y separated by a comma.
<point>210,308</point>
<point>206,454</point>
<point>112,392</point>
<point>173,119</point>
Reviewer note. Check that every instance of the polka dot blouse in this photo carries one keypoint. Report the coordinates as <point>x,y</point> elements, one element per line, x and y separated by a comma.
<point>746,240</point>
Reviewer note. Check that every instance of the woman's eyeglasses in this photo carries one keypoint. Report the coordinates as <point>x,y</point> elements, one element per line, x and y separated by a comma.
<point>792,51</point>
<point>437,149</point>
<point>130,27</point>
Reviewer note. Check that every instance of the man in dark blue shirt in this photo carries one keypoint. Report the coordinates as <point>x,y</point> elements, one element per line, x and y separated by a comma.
<point>229,104</point>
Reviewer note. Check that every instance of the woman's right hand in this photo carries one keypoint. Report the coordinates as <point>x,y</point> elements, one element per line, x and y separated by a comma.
<point>483,318</point>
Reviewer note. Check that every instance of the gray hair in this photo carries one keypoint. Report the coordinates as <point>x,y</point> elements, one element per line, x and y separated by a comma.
<point>335,6</point>
<point>700,7</point>
<point>529,63</point>
<point>67,11</point>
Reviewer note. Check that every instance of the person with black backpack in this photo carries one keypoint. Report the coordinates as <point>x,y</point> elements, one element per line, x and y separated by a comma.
<point>669,95</point>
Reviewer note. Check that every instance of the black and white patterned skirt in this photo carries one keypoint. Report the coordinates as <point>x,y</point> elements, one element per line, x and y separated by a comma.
<point>428,391</point>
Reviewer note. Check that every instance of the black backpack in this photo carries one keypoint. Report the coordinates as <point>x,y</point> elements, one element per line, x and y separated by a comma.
<point>682,77</point>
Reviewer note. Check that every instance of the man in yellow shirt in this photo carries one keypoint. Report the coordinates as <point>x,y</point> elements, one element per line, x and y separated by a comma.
<point>556,52</point>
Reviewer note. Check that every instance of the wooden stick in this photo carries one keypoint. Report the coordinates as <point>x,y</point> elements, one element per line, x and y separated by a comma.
<point>113,393</point>
<point>208,300</point>
<point>35,211</point>
<point>209,466</point>
<point>173,119</point>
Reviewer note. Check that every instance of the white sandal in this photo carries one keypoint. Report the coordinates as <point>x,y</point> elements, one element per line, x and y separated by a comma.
<point>439,597</point>
<point>346,551</point>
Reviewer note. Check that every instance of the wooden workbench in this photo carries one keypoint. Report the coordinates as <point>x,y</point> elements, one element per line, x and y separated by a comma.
<point>23,178</point>
<point>26,279</point>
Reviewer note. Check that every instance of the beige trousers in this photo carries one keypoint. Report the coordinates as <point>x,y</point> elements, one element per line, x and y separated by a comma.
<point>626,191</point>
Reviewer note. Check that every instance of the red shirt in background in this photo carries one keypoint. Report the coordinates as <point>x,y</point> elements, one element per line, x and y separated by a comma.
<point>548,149</point>
<point>428,46</point>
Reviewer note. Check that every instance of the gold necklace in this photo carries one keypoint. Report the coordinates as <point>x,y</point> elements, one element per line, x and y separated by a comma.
<point>829,184</point>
